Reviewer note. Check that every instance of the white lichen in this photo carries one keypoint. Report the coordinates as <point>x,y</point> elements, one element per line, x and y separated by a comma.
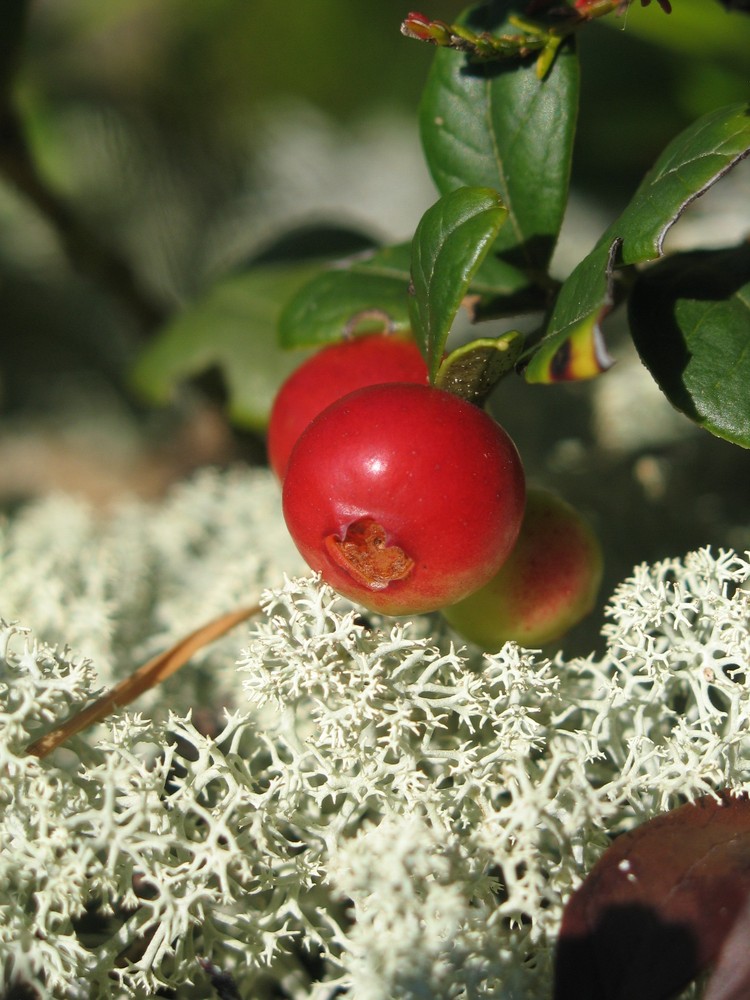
<point>381,812</point>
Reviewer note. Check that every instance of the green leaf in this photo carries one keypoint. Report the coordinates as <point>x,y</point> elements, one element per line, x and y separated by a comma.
<point>234,327</point>
<point>499,126</point>
<point>689,165</point>
<point>690,319</point>
<point>452,239</point>
<point>369,292</point>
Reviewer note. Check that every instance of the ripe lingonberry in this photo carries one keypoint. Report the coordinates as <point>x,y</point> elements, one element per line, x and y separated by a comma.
<point>334,372</point>
<point>546,586</point>
<point>404,497</point>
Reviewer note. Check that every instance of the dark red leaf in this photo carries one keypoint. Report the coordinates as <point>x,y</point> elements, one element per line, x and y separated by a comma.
<point>730,979</point>
<point>658,906</point>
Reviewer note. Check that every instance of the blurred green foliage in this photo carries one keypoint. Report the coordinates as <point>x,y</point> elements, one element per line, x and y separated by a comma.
<point>645,77</point>
<point>205,66</point>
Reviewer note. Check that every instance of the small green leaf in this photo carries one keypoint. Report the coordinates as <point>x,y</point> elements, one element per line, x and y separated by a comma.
<point>233,328</point>
<point>369,292</point>
<point>451,240</point>
<point>690,318</point>
<point>501,127</point>
<point>573,347</point>
<point>690,164</point>
<point>473,370</point>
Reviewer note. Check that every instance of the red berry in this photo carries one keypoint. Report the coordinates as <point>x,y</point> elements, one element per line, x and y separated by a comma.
<point>334,372</point>
<point>545,587</point>
<point>404,497</point>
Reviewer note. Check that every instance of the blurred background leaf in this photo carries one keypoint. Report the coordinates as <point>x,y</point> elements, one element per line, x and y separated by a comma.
<point>232,329</point>
<point>645,77</point>
<point>189,136</point>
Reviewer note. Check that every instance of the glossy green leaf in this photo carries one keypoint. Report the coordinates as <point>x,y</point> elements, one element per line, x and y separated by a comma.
<point>452,239</point>
<point>234,328</point>
<point>372,290</point>
<point>363,293</point>
<point>691,163</point>
<point>497,125</point>
<point>690,319</point>
<point>573,347</point>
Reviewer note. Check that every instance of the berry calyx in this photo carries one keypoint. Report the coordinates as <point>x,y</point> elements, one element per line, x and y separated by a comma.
<point>364,552</point>
<point>333,372</point>
<point>404,497</point>
<point>546,586</point>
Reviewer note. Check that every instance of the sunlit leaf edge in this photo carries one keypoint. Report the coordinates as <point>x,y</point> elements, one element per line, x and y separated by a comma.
<point>586,296</point>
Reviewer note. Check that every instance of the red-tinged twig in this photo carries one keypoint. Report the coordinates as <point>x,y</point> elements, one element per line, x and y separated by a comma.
<point>545,40</point>
<point>479,46</point>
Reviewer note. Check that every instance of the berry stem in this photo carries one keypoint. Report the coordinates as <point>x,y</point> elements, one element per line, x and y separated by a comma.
<point>365,554</point>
